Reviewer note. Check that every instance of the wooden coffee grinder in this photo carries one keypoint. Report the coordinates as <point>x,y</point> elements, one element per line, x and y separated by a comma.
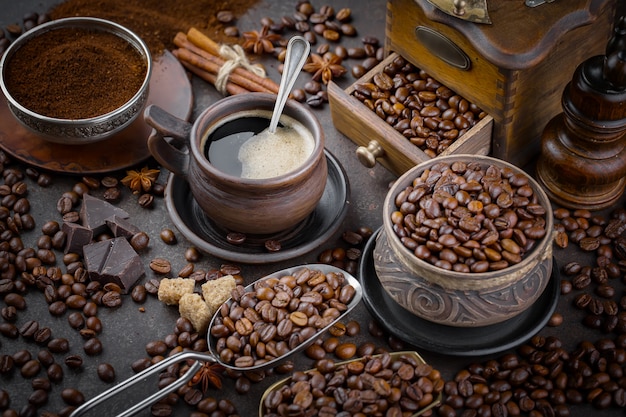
<point>511,58</point>
<point>582,163</point>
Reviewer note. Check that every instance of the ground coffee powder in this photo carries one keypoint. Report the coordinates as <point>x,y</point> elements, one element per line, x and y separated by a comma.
<point>158,21</point>
<point>73,73</point>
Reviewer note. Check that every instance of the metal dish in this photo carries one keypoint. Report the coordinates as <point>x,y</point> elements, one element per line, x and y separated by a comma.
<point>79,131</point>
<point>394,357</point>
<point>212,356</point>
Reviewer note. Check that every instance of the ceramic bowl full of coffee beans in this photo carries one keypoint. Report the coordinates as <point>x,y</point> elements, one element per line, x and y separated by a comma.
<point>466,241</point>
<point>76,80</point>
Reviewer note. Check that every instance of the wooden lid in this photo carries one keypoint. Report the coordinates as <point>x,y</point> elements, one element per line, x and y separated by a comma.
<point>521,36</point>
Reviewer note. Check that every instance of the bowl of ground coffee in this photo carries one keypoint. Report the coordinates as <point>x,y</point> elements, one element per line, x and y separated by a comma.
<point>466,241</point>
<point>76,80</point>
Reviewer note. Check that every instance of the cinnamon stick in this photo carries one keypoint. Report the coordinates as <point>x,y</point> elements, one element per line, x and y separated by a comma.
<point>231,88</point>
<point>185,55</point>
<point>202,41</point>
<point>211,51</point>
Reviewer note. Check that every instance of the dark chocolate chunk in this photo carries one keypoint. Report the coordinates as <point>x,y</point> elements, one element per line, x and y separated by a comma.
<point>122,227</point>
<point>95,212</point>
<point>113,260</point>
<point>77,237</point>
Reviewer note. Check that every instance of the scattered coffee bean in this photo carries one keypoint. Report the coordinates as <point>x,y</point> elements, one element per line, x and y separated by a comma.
<point>140,241</point>
<point>152,286</point>
<point>112,194</point>
<point>74,361</point>
<point>59,345</point>
<point>92,346</point>
<point>192,254</point>
<point>139,294</point>
<point>30,368</point>
<point>21,357</point>
<point>556,319</point>
<point>168,236</point>
<point>72,396</point>
<point>106,372</point>
<point>160,266</point>
<point>273,245</point>
<point>225,16</point>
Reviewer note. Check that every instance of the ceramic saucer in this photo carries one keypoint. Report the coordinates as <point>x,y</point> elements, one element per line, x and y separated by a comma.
<point>170,88</point>
<point>191,221</point>
<point>448,340</point>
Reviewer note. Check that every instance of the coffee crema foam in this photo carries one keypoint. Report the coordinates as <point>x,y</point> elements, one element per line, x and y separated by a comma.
<point>268,155</point>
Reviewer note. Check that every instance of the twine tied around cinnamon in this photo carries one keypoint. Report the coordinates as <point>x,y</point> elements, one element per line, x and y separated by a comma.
<point>201,55</point>
<point>234,56</point>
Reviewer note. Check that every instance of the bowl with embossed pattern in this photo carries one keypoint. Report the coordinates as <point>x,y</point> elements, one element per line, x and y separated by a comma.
<point>466,241</point>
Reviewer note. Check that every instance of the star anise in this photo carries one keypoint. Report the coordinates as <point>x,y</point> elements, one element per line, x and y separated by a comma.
<point>210,374</point>
<point>325,68</point>
<point>139,181</point>
<point>260,42</point>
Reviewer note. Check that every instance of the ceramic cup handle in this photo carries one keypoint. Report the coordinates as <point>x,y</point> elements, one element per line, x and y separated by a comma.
<point>171,154</point>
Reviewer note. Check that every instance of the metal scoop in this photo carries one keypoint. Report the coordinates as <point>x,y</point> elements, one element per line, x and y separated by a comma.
<point>213,356</point>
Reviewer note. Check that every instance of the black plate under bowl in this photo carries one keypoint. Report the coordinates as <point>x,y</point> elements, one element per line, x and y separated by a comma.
<point>449,340</point>
<point>319,226</point>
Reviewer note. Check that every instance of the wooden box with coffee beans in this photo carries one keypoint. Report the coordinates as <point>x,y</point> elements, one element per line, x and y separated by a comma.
<point>511,59</point>
<point>400,116</point>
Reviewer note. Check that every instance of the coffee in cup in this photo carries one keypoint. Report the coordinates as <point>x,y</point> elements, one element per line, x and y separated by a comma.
<point>242,145</point>
<point>261,200</point>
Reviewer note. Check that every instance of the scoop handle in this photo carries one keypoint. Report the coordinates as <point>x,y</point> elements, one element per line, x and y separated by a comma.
<point>141,376</point>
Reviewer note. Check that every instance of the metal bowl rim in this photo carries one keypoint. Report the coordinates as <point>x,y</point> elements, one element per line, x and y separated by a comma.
<point>78,22</point>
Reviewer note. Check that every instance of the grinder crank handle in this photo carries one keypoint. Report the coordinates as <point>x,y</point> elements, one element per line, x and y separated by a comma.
<point>154,369</point>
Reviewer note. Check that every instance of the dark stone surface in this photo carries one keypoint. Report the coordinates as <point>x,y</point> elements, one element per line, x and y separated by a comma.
<point>127,329</point>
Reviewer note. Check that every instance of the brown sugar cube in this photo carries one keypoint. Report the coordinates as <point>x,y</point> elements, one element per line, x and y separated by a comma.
<point>193,308</point>
<point>216,291</point>
<point>172,289</point>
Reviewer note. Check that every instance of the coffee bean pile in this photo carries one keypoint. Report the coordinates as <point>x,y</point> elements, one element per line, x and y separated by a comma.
<point>598,286</point>
<point>278,315</point>
<point>326,23</point>
<point>66,290</point>
<point>337,345</point>
<point>373,385</point>
<point>429,114</point>
<point>469,217</point>
<point>540,379</point>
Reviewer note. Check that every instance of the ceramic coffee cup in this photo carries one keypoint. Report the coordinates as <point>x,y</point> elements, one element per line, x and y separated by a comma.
<point>260,206</point>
